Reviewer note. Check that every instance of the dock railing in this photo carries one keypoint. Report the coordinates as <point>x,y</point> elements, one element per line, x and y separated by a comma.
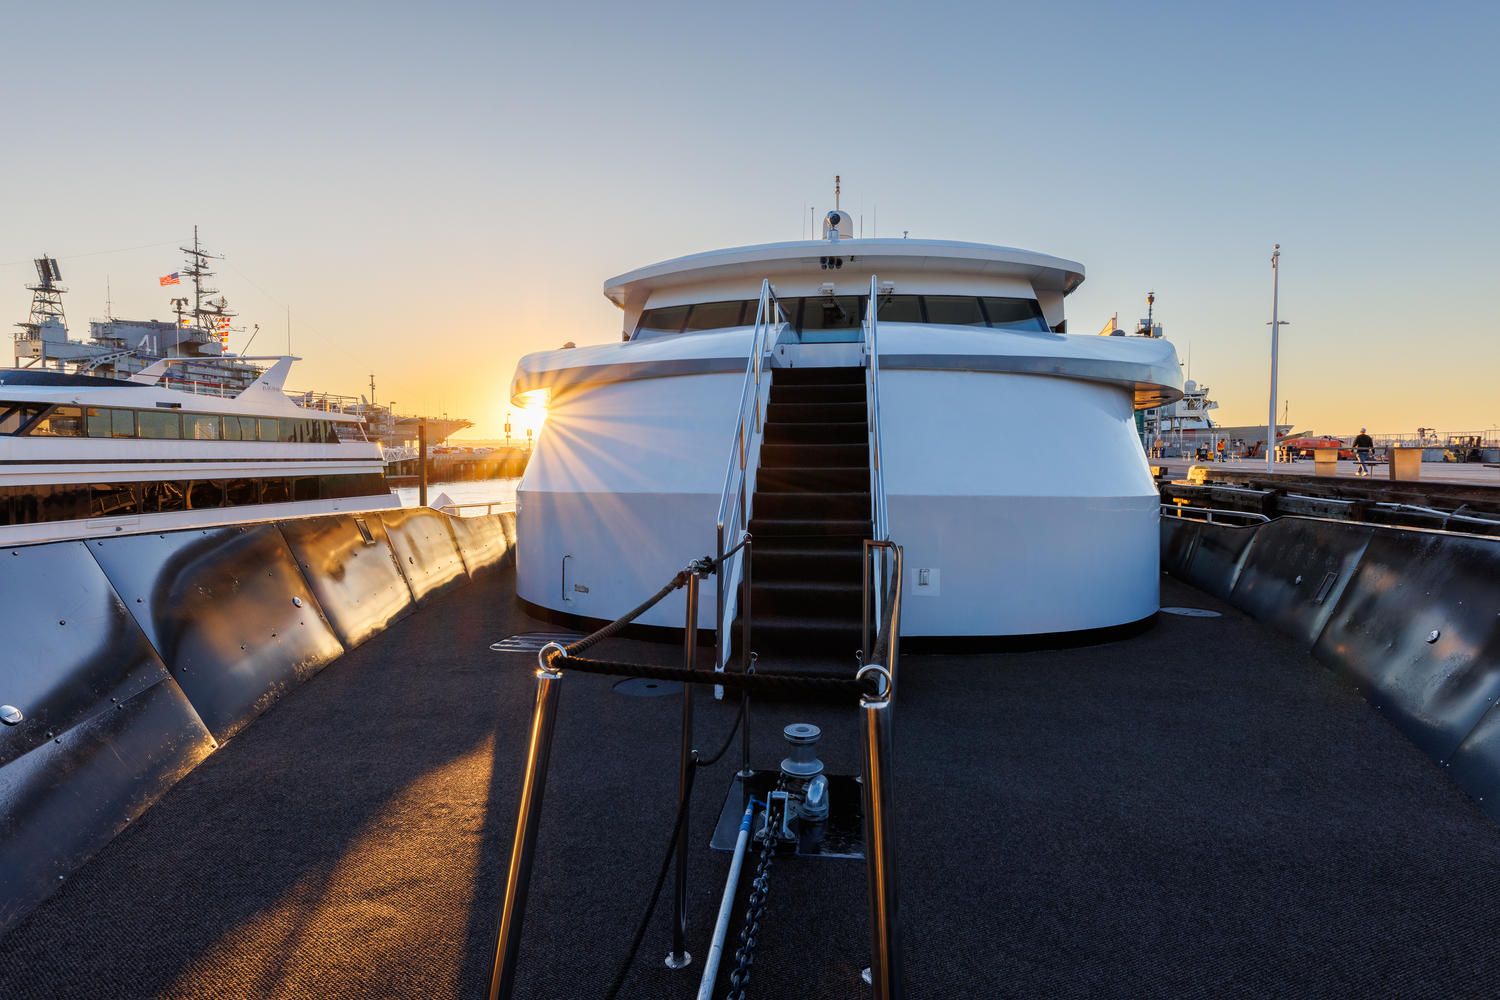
<point>739,478</point>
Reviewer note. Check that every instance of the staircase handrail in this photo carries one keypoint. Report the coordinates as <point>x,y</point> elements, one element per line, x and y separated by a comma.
<point>880,533</point>
<point>734,501</point>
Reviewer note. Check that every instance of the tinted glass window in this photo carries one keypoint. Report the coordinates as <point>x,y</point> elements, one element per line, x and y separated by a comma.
<point>660,322</point>
<point>247,427</point>
<point>1015,314</point>
<point>842,312</point>
<point>953,310</point>
<point>15,416</point>
<point>240,492</point>
<point>163,498</point>
<point>232,429</point>
<point>114,500</point>
<point>98,423</point>
<point>269,431</point>
<point>305,488</point>
<point>899,309</point>
<point>720,315</point>
<point>200,426</point>
<point>60,421</point>
<point>159,424</point>
<point>274,491</point>
<point>204,493</point>
<point>123,422</point>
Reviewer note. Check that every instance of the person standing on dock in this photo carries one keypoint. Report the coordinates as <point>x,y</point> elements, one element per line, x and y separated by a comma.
<point>1223,449</point>
<point>1364,447</point>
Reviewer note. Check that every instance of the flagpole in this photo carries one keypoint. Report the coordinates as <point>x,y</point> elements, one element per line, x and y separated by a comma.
<point>1276,326</point>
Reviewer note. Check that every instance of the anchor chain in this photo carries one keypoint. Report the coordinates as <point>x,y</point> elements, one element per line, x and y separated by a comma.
<point>744,955</point>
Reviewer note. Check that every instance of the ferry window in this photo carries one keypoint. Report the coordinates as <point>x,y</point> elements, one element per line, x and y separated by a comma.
<point>247,427</point>
<point>842,312</point>
<point>305,488</point>
<point>200,426</point>
<point>954,310</point>
<point>660,322</point>
<point>161,424</point>
<point>232,429</point>
<point>269,431</point>
<point>114,500</point>
<point>899,309</point>
<point>719,315</point>
<point>60,421</point>
<point>330,432</point>
<point>62,503</point>
<point>99,423</point>
<point>240,492</point>
<point>274,491</point>
<point>1015,314</point>
<point>15,416</point>
<point>123,422</point>
<point>205,493</point>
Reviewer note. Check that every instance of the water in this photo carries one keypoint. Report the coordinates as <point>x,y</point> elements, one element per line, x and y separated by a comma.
<point>476,491</point>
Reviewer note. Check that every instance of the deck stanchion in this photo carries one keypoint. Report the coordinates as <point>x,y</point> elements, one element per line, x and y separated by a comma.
<point>747,658</point>
<point>877,793</point>
<point>885,953</point>
<point>679,958</point>
<point>518,877</point>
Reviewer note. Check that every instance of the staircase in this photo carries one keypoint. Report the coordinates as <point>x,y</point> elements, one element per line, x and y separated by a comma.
<point>811,514</point>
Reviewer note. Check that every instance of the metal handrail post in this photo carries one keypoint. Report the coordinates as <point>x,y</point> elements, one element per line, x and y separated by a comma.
<point>679,958</point>
<point>721,648</point>
<point>880,867</point>
<point>879,796</point>
<point>523,845</point>
<point>748,663</point>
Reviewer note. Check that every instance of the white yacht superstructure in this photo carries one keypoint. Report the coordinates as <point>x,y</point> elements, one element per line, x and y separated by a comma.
<point>1006,531</point>
<point>83,456</point>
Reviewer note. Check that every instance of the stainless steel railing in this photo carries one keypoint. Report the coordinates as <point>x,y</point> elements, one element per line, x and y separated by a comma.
<point>876,787</point>
<point>1250,517</point>
<point>881,533</point>
<point>739,478</point>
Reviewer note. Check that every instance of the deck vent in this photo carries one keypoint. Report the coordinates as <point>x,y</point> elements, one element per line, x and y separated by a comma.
<point>532,642</point>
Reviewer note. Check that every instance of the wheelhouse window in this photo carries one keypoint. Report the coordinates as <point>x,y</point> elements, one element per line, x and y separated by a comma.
<point>718,315</point>
<point>954,310</point>
<point>833,312</point>
<point>1014,314</point>
<point>661,322</point>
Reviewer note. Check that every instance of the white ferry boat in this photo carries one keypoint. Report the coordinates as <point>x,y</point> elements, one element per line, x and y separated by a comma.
<point>82,456</point>
<point>927,435</point>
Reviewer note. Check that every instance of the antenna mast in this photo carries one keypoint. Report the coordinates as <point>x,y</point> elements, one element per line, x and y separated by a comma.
<point>835,191</point>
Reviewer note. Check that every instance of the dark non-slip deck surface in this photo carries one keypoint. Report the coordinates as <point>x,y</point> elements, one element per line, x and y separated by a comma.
<point>1201,810</point>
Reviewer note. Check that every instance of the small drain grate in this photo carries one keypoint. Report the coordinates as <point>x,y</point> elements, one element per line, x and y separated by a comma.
<point>644,687</point>
<point>532,642</point>
<point>1192,612</point>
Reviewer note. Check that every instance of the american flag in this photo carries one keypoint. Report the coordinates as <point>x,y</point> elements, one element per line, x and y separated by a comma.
<point>170,279</point>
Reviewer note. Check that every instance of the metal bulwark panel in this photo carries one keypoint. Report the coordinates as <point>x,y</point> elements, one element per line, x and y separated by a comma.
<point>1179,536</point>
<point>357,582</point>
<point>1215,563</point>
<point>72,649</point>
<point>228,611</point>
<point>425,550</point>
<point>1417,630</point>
<point>1475,765</point>
<point>1296,571</point>
<point>508,525</point>
<point>481,541</point>
<point>66,799</point>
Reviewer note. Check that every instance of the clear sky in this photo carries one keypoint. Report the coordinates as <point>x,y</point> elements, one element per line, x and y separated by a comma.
<point>436,189</point>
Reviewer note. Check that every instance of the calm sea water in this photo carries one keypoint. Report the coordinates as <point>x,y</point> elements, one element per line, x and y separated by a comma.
<point>477,491</point>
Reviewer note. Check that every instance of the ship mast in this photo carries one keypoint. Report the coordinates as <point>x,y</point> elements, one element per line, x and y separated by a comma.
<point>46,303</point>
<point>208,315</point>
